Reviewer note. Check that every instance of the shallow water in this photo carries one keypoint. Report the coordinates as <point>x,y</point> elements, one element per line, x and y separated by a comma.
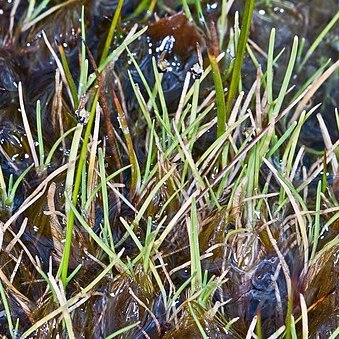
<point>254,283</point>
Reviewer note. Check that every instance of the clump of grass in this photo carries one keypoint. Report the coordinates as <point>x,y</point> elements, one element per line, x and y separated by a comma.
<point>232,238</point>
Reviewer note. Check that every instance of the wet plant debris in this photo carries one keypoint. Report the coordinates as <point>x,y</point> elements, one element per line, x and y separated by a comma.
<point>169,169</point>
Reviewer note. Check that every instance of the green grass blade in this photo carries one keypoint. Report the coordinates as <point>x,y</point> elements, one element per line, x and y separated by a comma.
<point>270,68</point>
<point>241,48</point>
<point>69,77</point>
<point>70,220</point>
<point>7,309</point>
<point>287,78</point>
<point>11,193</point>
<point>318,40</point>
<point>107,232</point>
<point>56,145</point>
<point>123,330</point>
<point>193,234</point>
<point>220,96</point>
<point>112,28</point>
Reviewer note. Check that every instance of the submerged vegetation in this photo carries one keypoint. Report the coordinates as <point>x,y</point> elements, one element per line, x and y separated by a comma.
<point>169,169</point>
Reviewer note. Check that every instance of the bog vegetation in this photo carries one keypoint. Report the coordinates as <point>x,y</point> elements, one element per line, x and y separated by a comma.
<point>169,169</point>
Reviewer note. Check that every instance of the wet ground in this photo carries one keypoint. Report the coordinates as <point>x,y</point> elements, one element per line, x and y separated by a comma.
<point>256,287</point>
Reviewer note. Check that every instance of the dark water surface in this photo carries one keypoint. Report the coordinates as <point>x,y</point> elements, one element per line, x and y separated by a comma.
<point>253,287</point>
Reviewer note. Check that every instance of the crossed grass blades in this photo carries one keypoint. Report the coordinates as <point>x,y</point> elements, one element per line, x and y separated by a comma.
<point>143,210</point>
